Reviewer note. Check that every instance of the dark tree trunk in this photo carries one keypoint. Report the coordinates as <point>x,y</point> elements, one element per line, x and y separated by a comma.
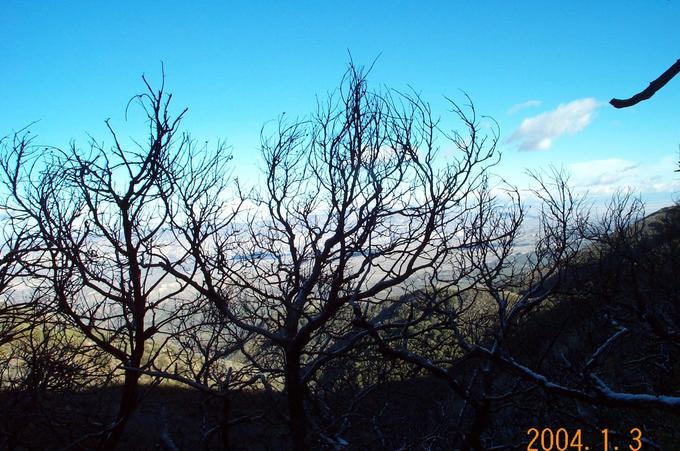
<point>479,425</point>
<point>224,428</point>
<point>128,401</point>
<point>128,404</point>
<point>296,408</point>
<point>482,414</point>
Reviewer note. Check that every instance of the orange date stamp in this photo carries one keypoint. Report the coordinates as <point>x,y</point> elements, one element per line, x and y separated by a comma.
<point>548,439</point>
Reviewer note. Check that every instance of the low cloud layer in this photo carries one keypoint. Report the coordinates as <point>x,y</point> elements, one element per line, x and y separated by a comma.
<point>539,132</point>
<point>607,176</point>
<point>603,175</point>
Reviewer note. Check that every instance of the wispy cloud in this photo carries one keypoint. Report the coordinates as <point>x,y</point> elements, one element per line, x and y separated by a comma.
<point>603,175</point>
<point>606,176</point>
<point>539,132</point>
<point>523,106</point>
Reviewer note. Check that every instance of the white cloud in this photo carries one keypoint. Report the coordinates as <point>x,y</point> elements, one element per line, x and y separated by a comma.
<point>539,132</point>
<point>523,106</point>
<point>606,176</point>
<point>600,176</point>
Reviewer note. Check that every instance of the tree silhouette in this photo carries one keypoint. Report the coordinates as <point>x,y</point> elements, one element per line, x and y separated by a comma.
<point>102,220</point>
<point>357,203</point>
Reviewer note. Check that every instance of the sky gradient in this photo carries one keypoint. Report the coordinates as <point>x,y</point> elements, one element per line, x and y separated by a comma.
<point>543,70</point>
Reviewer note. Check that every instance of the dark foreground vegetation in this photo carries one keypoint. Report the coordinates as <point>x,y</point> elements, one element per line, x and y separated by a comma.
<point>378,291</point>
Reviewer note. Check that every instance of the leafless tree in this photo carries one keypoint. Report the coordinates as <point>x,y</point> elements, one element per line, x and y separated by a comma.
<point>601,277</point>
<point>446,327</point>
<point>378,250</point>
<point>619,300</point>
<point>358,201</point>
<point>103,219</point>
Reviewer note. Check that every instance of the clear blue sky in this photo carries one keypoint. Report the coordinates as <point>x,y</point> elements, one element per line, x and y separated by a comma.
<point>543,70</point>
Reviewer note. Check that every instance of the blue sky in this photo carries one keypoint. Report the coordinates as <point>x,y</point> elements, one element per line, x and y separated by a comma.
<point>543,70</point>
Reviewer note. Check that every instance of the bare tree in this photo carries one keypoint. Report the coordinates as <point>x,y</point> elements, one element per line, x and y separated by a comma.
<point>602,281</point>
<point>103,219</point>
<point>376,251</point>
<point>357,202</point>
<point>449,329</point>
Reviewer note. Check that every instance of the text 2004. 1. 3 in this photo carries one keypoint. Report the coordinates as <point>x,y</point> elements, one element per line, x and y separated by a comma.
<point>561,439</point>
